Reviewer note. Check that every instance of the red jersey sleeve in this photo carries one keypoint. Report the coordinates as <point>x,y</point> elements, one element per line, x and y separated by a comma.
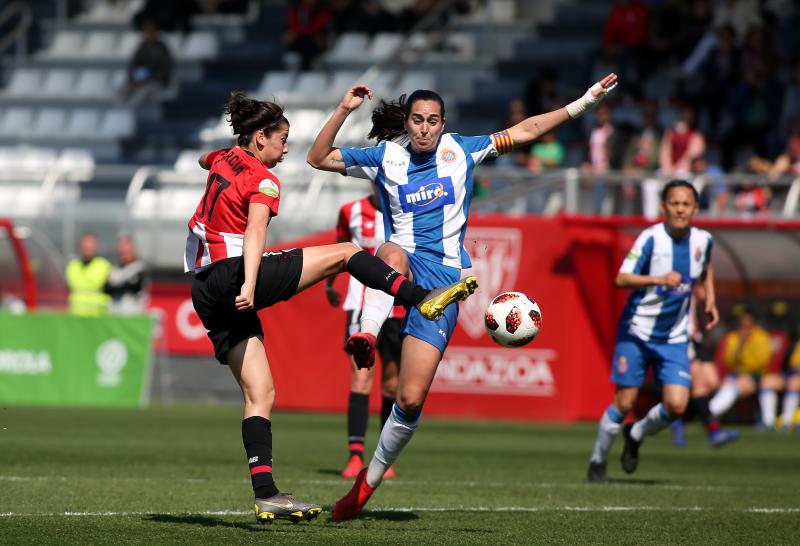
<point>343,226</point>
<point>265,190</point>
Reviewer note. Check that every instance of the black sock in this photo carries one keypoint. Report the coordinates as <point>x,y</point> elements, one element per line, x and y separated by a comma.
<point>257,438</point>
<point>375,273</point>
<point>386,410</point>
<point>701,410</point>
<point>357,416</point>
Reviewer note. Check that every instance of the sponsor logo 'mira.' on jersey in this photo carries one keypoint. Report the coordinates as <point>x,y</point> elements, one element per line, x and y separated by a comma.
<point>414,197</point>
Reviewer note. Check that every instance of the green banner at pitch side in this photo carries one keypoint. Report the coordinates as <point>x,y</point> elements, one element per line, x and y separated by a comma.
<point>59,359</point>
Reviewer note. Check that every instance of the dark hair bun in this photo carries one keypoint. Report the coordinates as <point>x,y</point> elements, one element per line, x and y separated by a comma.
<point>247,116</point>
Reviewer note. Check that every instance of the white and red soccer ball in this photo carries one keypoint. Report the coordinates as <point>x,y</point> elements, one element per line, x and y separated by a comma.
<point>513,319</point>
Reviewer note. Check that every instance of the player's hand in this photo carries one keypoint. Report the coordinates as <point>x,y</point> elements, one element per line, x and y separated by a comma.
<point>712,315</point>
<point>245,300</point>
<point>673,279</point>
<point>355,97</point>
<point>333,296</point>
<point>601,88</point>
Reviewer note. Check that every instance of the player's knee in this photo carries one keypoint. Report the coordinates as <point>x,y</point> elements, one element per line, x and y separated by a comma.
<point>260,401</point>
<point>675,408</point>
<point>410,401</point>
<point>389,388</point>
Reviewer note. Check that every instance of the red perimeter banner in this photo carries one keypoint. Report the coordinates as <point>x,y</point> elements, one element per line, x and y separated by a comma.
<point>561,376</point>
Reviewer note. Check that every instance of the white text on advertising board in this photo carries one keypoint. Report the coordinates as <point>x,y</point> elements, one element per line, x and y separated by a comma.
<point>481,370</point>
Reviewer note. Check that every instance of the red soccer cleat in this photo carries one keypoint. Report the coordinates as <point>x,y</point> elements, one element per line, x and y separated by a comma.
<point>362,346</point>
<point>349,506</point>
<point>390,473</point>
<point>354,466</point>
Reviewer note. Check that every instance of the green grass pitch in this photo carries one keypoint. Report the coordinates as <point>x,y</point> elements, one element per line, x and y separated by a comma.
<point>177,474</point>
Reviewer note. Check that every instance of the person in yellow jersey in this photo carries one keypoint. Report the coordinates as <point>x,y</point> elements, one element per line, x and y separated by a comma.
<point>86,277</point>
<point>791,394</point>
<point>747,352</point>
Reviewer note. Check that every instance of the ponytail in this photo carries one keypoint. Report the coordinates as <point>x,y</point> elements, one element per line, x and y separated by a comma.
<point>246,116</point>
<point>388,119</point>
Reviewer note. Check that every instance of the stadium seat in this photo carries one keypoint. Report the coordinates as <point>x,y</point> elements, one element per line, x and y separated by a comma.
<point>93,84</point>
<point>35,159</point>
<point>340,83</point>
<point>275,82</point>
<point>174,42</point>
<point>128,44</point>
<point>100,44</point>
<point>16,122</point>
<point>187,162</point>
<point>67,44</point>
<point>51,122</point>
<point>306,123</point>
<point>384,45</point>
<point>84,123</point>
<point>199,45</point>
<point>349,46</point>
<point>117,123</point>
<point>308,87</point>
<point>25,82</point>
<point>411,81</point>
<point>58,82</point>
<point>75,160</point>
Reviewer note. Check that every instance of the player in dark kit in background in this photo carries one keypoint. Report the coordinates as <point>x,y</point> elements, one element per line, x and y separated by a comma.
<point>234,278</point>
<point>361,222</point>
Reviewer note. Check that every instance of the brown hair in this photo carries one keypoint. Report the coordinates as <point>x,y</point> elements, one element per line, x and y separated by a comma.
<point>247,116</point>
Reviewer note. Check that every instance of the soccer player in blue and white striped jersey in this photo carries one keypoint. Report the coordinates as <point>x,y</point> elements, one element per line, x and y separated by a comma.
<point>425,187</point>
<point>663,266</point>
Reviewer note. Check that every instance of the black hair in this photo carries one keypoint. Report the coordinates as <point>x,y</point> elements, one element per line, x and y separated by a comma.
<point>388,119</point>
<point>247,116</point>
<point>678,183</point>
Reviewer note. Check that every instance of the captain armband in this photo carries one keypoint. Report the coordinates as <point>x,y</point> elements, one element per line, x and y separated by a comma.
<point>502,141</point>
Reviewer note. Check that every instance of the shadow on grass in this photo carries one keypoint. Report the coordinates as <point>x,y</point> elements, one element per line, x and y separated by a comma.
<point>387,515</point>
<point>204,521</point>
<point>634,481</point>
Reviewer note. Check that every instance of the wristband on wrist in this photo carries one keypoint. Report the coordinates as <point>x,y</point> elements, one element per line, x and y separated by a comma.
<point>587,102</point>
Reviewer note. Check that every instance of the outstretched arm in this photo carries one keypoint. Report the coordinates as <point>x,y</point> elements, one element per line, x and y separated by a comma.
<point>323,155</point>
<point>530,129</point>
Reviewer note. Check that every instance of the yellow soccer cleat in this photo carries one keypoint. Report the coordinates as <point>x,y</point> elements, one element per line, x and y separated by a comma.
<point>434,304</point>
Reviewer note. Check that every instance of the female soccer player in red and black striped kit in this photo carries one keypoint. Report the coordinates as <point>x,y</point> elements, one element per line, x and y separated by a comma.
<point>234,278</point>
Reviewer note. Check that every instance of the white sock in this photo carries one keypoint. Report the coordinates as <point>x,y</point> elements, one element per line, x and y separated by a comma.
<point>656,419</point>
<point>724,399</point>
<point>375,310</point>
<point>768,400</point>
<point>607,432</point>
<point>790,402</point>
<point>396,433</point>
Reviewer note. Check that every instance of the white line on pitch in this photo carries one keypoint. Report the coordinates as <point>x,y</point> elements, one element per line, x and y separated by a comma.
<point>486,509</point>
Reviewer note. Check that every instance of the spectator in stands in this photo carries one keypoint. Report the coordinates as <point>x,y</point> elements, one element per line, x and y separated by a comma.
<point>365,16</point>
<point>791,394</point>
<point>126,282</point>
<point>681,144</point>
<point>788,163</point>
<point>751,199</point>
<point>642,153</point>
<point>599,160</point>
<point>741,15</point>
<point>666,36</point>
<point>308,23</point>
<point>150,69</point>
<point>546,153</point>
<point>709,180</point>
<point>626,31</point>
<point>746,354</point>
<point>168,15</point>
<point>86,277</point>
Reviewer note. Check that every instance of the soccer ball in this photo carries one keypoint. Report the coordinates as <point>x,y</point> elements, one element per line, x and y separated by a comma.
<point>513,319</point>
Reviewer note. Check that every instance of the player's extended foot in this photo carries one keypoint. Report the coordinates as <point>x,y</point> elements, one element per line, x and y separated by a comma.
<point>433,306</point>
<point>354,466</point>
<point>678,433</point>
<point>390,474</point>
<point>597,472</point>
<point>349,506</point>
<point>720,437</point>
<point>285,506</point>
<point>362,346</point>
<point>630,452</point>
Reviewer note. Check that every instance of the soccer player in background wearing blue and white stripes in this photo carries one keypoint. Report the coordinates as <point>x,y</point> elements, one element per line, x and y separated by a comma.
<point>425,187</point>
<point>663,266</point>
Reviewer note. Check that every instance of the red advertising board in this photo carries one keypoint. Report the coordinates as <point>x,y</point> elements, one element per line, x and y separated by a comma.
<point>561,376</point>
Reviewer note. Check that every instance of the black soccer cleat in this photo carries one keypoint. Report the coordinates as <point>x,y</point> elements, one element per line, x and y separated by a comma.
<point>597,472</point>
<point>630,452</point>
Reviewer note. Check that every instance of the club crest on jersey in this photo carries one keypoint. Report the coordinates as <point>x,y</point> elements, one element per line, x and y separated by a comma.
<point>269,188</point>
<point>448,155</point>
<point>622,364</point>
<point>698,254</point>
<point>421,196</point>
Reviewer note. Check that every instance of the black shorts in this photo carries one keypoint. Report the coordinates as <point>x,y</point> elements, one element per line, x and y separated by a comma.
<point>389,338</point>
<point>214,292</point>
